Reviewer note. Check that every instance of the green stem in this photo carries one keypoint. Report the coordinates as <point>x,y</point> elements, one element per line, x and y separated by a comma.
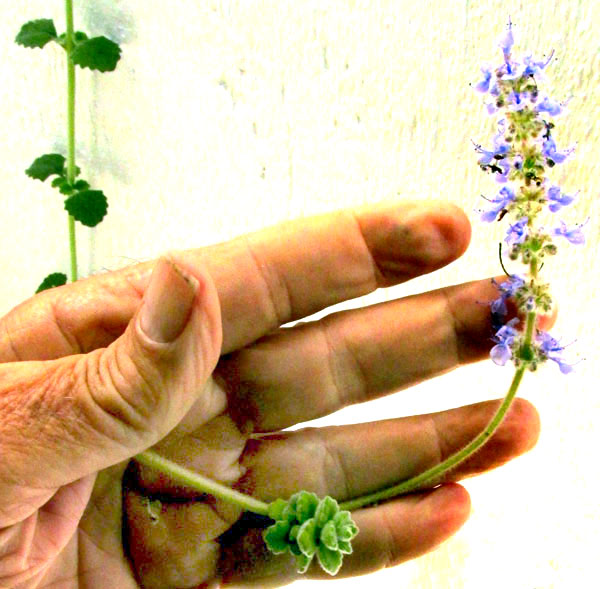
<point>427,478</point>
<point>435,472</point>
<point>71,130</point>
<point>201,483</point>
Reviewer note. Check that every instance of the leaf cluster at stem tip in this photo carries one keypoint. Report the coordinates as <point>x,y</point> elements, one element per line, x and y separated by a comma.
<point>97,53</point>
<point>307,527</point>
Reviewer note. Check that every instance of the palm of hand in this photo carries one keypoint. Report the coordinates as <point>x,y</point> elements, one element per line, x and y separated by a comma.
<point>268,379</point>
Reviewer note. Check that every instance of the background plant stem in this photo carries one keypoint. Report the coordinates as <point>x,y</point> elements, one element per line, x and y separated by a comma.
<point>71,130</point>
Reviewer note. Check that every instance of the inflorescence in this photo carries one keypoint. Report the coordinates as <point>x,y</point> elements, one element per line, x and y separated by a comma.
<point>521,152</point>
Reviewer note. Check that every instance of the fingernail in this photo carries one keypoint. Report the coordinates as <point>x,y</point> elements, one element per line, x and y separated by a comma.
<point>167,302</point>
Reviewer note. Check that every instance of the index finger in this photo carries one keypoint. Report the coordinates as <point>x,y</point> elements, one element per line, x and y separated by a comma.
<point>263,279</point>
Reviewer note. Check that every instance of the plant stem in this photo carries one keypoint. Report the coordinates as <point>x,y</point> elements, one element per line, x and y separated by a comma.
<point>426,478</point>
<point>435,472</point>
<point>206,485</point>
<point>201,483</point>
<point>71,130</point>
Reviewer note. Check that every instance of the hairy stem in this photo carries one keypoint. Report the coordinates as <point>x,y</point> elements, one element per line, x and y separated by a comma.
<point>201,483</point>
<point>71,130</point>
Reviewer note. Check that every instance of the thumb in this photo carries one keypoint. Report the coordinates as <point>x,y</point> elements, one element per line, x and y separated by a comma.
<point>63,419</point>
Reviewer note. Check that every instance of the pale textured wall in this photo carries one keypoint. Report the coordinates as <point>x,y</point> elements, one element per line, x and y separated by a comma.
<point>227,116</point>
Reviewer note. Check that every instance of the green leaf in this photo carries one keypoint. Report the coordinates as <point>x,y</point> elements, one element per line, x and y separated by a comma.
<point>65,188</point>
<point>327,509</point>
<point>81,185</point>
<point>345,526</point>
<point>98,53</point>
<point>88,207</point>
<point>36,33</point>
<point>52,280</point>
<point>344,547</point>
<point>306,505</point>
<point>275,537</point>
<point>329,536</point>
<point>330,560</point>
<point>307,537</point>
<point>303,562</point>
<point>276,508</point>
<point>46,165</point>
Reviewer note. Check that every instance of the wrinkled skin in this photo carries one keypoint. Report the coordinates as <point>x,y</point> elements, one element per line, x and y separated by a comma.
<point>75,515</point>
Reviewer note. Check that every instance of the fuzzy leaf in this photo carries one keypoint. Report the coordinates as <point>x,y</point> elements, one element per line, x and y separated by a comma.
<point>306,506</point>
<point>327,509</point>
<point>303,562</point>
<point>344,547</point>
<point>98,53</point>
<point>329,536</point>
<point>47,165</point>
<point>36,33</point>
<point>276,537</point>
<point>330,560</point>
<point>307,537</point>
<point>52,280</point>
<point>88,207</point>
<point>276,508</point>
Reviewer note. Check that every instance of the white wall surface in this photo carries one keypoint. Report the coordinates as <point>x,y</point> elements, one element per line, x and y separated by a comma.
<point>224,117</point>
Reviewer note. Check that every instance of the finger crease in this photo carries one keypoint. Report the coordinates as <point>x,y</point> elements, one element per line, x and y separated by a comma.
<point>339,400</point>
<point>72,342</point>
<point>335,470</point>
<point>281,312</point>
<point>453,320</point>
<point>11,343</point>
<point>376,270</point>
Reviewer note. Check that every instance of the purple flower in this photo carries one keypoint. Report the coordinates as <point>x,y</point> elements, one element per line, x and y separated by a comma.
<point>500,202</point>
<point>501,146</point>
<point>552,108</point>
<point>484,85</point>
<point>533,68</point>
<point>558,199</point>
<point>515,101</point>
<point>574,235</point>
<point>501,353</point>
<point>551,349</point>
<point>507,289</point>
<point>549,151</point>
<point>517,233</point>
<point>507,41</point>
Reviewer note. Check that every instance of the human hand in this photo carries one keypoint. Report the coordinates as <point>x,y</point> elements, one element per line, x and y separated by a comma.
<point>83,389</point>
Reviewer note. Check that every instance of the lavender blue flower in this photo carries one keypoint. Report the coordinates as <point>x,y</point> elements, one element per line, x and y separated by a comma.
<point>549,151</point>
<point>507,289</point>
<point>517,232</point>
<point>534,68</point>
<point>484,85</point>
<point>549,106</point>
<point>574,235</point>
<point>504,197</point>
<point>505,337</point>
<point>507,41</point>
<point>551,349</point>
<point>558,199</point>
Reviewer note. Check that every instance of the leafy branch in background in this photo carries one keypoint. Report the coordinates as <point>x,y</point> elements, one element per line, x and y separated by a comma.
<point>87,206</point>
